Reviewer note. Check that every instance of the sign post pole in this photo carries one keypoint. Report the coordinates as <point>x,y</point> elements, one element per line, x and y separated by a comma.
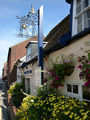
<point>40,40</point>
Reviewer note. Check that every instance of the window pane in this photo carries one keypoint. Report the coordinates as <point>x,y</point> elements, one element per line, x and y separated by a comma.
<point>79,24</point>
<point>87,14</point>
<point>87,19</point>
<point>78,9</point>
<point>78,2</point>
<point>79,28</point>
<point>69,88</point>
<point>87,24</point>
<point>85,3</point>
<point>75,89</point>
<point>86,92</point>
<point>79,20</point>
<point>28,51</point>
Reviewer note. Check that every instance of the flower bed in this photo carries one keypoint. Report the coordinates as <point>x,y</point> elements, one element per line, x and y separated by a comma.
<point>52,107</point>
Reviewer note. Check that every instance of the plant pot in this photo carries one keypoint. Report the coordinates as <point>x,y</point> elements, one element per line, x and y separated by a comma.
<point>69,70</point>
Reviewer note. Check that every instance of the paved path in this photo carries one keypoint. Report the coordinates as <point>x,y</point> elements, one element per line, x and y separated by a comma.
<point>3,102</point>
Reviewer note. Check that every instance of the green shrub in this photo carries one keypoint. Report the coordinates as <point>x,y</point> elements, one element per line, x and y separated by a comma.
<point>52,108</point>
<point>23,113</point>
<point>45,90</point>
<point>15,92</point>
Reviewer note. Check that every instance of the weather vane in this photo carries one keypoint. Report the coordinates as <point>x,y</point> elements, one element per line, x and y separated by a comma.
<point>28,24</point>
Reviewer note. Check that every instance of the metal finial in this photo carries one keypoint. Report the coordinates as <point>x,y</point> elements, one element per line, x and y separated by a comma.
<point>32,10</point>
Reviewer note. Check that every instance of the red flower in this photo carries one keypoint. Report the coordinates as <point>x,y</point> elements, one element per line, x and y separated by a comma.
<point>52,85</point>
<point>53,69</point>
<point>79,60</point>
<point>45,80</point>
<point>86,61</point>
<point>56,78</point>
<point>88,76</point>
<point>83,56</point>
<point>87,83</point>
<point>80,67</point>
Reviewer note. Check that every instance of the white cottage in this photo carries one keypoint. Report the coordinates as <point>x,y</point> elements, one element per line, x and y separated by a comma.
<point>67,37</point>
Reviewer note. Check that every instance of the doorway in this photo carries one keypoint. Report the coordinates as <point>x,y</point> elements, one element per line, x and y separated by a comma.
<point>28,85</point>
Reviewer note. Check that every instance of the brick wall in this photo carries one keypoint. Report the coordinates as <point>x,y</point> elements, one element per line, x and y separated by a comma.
<point>16,52</point>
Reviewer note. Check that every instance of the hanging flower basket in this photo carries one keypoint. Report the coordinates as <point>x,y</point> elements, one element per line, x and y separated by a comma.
<point>69,70</point>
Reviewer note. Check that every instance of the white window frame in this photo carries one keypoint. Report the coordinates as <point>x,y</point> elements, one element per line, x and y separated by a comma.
<point>74,17</point>
<point>82,13</point>
<point>74,95</point>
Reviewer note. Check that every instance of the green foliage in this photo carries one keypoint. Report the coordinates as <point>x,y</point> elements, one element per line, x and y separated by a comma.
<point>43,91</point>
<point>52,107</point>
<point>84,66</point>
<point>23,79</point>
<point>17,95</point>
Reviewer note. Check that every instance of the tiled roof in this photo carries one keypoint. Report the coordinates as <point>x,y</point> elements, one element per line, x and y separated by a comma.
<point>59,30</point>
<point>29,39</point>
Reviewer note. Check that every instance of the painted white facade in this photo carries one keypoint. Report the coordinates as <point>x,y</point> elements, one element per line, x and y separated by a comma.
<point>33,78</point>
<point>73,79</point>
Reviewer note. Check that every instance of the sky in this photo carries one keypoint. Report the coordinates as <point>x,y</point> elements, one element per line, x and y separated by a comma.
<point>54,12</point>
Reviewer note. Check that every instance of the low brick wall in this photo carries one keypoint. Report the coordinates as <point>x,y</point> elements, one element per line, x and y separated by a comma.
<point>12,108</point>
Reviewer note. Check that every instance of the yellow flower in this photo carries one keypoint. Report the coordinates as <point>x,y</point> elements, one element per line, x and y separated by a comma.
<point>85,116</point>
<point>77,118</point>
<point>57,111</point>
<point>82,113</point>
<point>72,113</point>
<point>85,103</point>
<point>54,115</point>
<point>66,113</point>
<point>60,108</point>
<point>71,108</point>
<point>75,114</point>
<point>44,119</point>
<point>67,105</point>
<point>81,110</point>
<point>70,116</point>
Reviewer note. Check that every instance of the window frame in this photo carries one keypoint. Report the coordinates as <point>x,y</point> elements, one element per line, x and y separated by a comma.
<point>74,95</point>
<point>83,11</point>
<point>28,55</point>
